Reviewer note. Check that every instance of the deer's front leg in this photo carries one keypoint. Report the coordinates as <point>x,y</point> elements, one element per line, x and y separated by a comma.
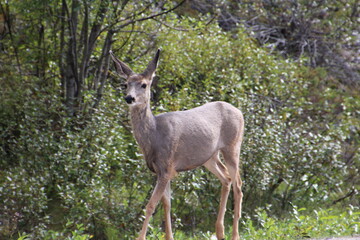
<point>159,190</point>
<point>166,200</point>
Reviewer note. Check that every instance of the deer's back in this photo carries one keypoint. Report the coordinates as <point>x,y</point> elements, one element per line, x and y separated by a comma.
<point>193,136</point>
<point>213,114</point>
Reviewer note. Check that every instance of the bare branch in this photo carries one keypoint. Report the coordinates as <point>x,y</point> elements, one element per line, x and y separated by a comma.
<point>140,19</point>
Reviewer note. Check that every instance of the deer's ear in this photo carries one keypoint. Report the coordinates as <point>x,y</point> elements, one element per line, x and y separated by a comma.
<point>122,69</point>
<point>149,72</point>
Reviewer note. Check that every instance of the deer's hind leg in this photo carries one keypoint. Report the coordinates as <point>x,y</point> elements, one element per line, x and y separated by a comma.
<point>215,166</point>
<point>231,158</point>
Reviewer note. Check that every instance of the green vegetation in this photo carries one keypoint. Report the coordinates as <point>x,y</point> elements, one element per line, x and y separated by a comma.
<point>70,168</point>
<point>321,223</point>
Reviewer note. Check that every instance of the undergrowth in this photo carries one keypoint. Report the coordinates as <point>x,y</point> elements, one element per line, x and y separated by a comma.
<point>300,225</point>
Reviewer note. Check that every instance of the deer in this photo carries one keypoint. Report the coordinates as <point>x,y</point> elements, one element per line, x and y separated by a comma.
<point>178,141</point>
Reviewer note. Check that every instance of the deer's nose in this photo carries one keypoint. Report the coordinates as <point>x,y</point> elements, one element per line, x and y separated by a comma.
<point>129,99</point>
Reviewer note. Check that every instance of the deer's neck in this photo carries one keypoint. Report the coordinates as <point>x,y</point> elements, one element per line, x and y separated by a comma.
<point>144,126</point>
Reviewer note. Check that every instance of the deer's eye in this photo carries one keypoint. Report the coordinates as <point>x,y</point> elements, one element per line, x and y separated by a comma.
<point>143,85</point>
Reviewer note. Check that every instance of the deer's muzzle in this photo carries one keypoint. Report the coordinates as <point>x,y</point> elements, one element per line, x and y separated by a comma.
<point>129,99</point>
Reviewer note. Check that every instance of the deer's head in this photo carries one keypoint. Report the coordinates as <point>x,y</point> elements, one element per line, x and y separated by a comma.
<point>137,85</point>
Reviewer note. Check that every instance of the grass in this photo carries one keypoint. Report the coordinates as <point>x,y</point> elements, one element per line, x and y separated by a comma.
<point>319,223</point>
<point>301,225</point>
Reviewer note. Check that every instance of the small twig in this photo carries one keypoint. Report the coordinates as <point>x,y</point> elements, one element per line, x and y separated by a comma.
<point>171,27</point>
<point>349,194</point>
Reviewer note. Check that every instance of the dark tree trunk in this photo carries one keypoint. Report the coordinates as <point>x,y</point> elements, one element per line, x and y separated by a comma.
<point>71,75</point>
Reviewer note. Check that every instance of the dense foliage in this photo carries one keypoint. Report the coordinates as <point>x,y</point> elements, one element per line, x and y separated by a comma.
<point>69,163</point>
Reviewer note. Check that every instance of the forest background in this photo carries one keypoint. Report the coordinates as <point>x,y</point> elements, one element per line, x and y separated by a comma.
<point>68,162</point>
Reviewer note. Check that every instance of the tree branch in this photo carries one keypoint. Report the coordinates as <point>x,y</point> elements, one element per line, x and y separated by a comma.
<point>91,40</point>
<point>8,23</point>
<point>103,68</point>
<point>349,194</point>
<point>142,19</point>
